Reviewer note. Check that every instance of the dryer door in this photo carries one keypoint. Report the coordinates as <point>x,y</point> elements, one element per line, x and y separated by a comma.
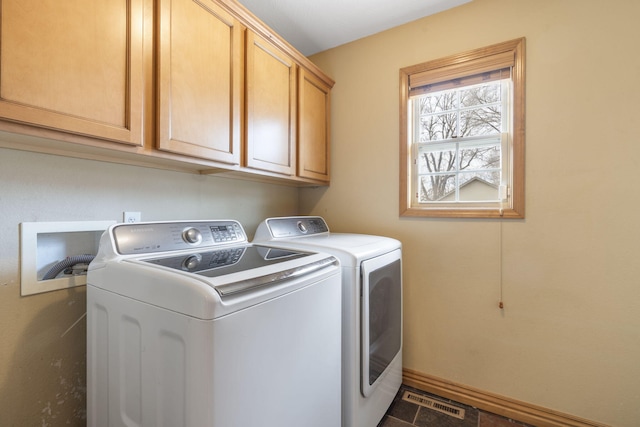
<point>381,324</point>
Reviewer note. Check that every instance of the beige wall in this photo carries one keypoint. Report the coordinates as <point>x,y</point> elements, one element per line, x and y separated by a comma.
<point>42,355</point>
<point>569,336</point>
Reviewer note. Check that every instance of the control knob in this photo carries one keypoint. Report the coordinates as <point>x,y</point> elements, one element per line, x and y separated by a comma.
<point>191,262</point>
<point>192,236</point>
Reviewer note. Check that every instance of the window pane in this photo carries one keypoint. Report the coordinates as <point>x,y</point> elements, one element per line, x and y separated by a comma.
<point>437,127</point>
<point>486,156</point>
<point>481,121</point>
<point>440,158</point>
<point>436,187</point>
<point>480,95</point>
<point>478,186</point>
<point>438,102</point>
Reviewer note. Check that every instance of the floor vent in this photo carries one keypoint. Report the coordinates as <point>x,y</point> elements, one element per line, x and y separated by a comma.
<point>436,405</point>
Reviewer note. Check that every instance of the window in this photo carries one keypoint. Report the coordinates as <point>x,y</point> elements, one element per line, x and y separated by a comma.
<point>462,135</point>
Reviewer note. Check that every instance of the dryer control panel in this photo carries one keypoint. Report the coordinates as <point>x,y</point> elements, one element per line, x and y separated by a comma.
<point>142,238</point>
<point>295,226</point>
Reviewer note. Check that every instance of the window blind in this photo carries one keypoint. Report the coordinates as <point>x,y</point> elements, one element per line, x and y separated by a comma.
<point>486,77</point>
<point>434,73</point>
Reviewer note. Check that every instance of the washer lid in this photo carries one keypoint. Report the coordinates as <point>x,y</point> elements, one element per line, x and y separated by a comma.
<point>214,292</point>
<point>219,262</point>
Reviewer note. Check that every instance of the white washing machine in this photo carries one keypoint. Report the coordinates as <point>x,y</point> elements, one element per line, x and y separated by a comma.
<point>190,325</point>
<point>371,310</point>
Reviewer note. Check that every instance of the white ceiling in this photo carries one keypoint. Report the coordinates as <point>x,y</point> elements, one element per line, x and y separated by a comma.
<point>312,26</point>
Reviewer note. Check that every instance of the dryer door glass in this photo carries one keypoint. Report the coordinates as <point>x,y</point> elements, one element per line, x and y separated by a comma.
<point>381,316</point>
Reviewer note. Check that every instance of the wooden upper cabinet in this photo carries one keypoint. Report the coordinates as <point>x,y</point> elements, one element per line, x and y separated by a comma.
<point>270,107</point>
<point>74,66</point>
<point>313,127</point>
<point>200,80</point>
<point>201,83</point>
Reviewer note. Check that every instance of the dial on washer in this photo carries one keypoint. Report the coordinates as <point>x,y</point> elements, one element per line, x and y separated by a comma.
<point>192,236</point>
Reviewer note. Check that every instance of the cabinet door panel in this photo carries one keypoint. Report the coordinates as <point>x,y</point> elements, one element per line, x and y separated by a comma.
<point>200,82</point>
<point>313,127</point>
<point>74,66</point>
<point>271,96</point>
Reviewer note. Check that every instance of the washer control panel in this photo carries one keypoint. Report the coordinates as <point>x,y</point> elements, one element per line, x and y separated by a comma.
<point>142,238</point>
<point>296,226</point>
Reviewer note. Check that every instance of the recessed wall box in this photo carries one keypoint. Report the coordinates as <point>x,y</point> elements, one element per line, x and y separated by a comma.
<point>45,244</point>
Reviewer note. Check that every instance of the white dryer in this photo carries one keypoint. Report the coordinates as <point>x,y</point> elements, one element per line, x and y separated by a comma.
<point>190,325</point>
<point>371,310</point>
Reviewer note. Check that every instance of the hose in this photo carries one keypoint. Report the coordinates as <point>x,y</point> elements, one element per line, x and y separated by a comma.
<point>69,262</point>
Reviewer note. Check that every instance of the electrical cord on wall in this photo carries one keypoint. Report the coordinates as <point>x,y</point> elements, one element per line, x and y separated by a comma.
<point>501,303</point>
<point>68,263</point>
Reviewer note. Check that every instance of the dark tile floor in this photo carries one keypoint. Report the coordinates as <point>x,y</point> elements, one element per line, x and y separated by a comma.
<point>408,414</point>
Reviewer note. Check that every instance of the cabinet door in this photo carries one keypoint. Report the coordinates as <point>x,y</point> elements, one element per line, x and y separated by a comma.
<point>270,106</point>
<point>313,127</point>
<point>199,80</point>
<point>74,66</point>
